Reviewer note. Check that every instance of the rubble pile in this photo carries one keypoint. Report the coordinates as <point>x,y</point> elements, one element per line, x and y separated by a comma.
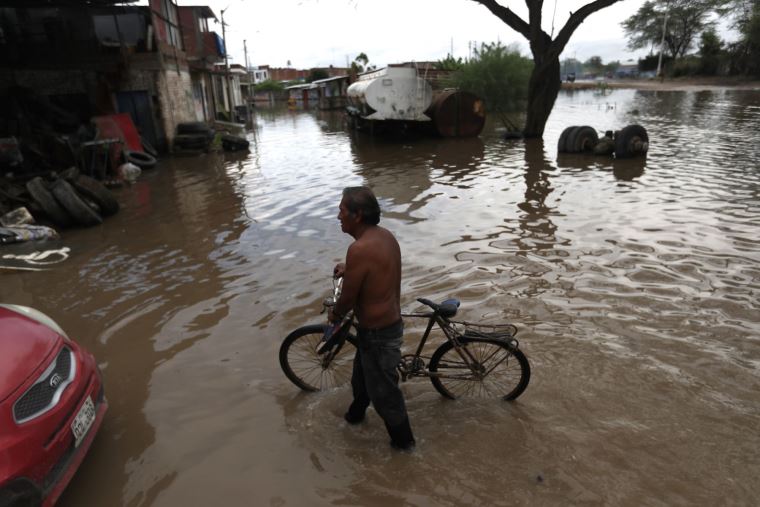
<point>57,167</point>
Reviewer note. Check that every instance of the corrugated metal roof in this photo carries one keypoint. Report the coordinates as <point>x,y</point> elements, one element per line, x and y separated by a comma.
<point>325,80</point>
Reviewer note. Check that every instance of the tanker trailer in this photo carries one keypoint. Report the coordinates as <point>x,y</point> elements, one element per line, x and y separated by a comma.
<point>392,93</point>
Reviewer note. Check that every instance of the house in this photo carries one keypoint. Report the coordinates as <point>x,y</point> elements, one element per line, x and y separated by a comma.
<point>331,92</point>
<point>228,97</point>
<point>303,95</point>
<point>104,57</point>
<point>260,74</point>
<point>204,49</point>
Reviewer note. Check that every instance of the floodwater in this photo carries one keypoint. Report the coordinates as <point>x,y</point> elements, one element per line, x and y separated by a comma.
<point>635,285</point>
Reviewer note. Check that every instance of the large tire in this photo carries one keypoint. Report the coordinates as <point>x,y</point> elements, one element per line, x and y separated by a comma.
<point>50,206</point>
<point>631,141</point>
<point>191,141</point>
<point>140,159</point>
<point>97,192</point>
<point>194,127</point>
<point>148,148</point>
<point>507,376</point>
<point>562,144</point>
<point>582,139</point>
<point>66,195</point>
<point>307,369</point>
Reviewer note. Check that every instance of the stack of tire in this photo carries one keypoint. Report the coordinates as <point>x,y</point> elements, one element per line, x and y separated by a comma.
<point>628,142</point>
<point>193,136</point>
<point>71,199</point>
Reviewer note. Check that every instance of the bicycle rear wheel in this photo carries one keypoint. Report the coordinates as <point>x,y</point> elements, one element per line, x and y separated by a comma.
<point>503,371</point>
<point>307,369</point>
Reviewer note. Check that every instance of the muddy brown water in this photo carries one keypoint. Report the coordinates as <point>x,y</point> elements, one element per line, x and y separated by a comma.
<point>635,285</point>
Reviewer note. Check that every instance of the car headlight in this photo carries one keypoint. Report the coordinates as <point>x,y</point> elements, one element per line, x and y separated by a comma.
<point>37,316</point>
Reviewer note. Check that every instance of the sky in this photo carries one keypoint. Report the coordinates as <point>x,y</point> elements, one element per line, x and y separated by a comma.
<point>320,33</point>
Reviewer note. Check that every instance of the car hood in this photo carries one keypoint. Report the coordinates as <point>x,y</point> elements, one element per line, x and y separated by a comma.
<point>24,345</point>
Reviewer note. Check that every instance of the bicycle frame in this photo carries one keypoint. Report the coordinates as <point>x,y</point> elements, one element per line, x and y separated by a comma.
<point>412,365</point>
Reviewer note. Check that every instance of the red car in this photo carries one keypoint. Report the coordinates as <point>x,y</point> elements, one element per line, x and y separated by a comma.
<point>51,406</point>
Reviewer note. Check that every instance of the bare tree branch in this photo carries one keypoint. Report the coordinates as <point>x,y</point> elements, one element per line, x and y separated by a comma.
<point>511,19</point>
<point>576,18</point>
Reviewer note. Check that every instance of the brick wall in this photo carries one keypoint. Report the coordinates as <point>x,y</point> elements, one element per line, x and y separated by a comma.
<point>175,97</point>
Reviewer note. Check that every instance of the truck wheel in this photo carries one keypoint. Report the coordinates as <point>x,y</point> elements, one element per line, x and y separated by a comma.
<point>582,139</point>
<point>631,141</point>
<point>562,144</point>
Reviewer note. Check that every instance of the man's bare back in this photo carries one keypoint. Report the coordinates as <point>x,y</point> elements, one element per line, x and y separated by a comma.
<point>371,274</point>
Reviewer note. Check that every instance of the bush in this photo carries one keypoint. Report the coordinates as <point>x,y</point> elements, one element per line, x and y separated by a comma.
<point>269,86</point>
<point>686,66</point>
<point>499,75</point>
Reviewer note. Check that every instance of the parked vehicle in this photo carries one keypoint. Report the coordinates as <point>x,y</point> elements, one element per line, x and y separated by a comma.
<point>51,406</point>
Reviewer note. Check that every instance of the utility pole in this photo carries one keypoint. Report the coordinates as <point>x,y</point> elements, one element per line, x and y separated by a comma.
<point>250,80</point>
<point>227,65</point>
<point>662,41</point>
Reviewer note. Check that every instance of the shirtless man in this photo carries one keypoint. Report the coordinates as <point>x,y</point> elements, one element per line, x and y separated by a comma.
<point>372,288</point>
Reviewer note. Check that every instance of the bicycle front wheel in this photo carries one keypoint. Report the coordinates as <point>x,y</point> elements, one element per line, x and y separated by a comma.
<point>500,371</point>
<point>311,371</point>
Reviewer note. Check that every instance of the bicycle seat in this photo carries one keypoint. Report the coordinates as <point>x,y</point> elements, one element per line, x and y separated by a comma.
<point>446,308</point>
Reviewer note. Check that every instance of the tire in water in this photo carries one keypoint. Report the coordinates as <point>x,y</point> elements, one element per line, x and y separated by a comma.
<point>582,139</point>
<point>97,192</point>
<point>304,367</point>
<point>562,143</point>
<point>140,159</point>
<point>507,368</point>
<point>66,195</point>
<point>631,141</point>
<point>42,196</point>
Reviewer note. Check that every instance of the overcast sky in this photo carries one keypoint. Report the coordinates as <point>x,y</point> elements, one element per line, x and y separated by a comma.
<point>319,33</point>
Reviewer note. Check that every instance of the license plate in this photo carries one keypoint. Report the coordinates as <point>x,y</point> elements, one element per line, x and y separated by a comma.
<point>83,421</point>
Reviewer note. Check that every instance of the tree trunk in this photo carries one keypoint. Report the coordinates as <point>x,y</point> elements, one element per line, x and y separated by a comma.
<point>542,93</point>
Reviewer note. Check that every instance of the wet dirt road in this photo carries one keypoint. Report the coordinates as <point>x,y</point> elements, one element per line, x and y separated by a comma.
<point>634,284</point>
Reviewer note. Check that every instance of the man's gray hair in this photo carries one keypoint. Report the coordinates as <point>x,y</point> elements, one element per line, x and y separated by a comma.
<point>361,199</point>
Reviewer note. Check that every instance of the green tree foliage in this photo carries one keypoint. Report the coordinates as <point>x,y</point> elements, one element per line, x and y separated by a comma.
<point>499,75</point>
<point>685,20</point>
<point>269,86</point>
<point>361,64</point>
<point>316,74</point>
<point>544,83</point>
<point>449,63</point>
<point>746,52</point>
<point>593,65</point>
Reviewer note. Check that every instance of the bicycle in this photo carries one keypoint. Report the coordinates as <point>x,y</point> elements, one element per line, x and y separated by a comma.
<point>475,360</point>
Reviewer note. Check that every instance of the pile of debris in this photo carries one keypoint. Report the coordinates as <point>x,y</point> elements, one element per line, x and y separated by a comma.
<point>65,200</point>
<point>54,165</point>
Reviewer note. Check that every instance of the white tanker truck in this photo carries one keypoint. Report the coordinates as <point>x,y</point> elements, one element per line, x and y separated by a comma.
<point>392,93</point>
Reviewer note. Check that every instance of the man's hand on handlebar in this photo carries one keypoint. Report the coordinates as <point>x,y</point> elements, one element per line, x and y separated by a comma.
<point>339,270</point>
<point>332,318</point>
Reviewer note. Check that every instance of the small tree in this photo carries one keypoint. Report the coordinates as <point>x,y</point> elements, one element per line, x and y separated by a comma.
<point>269,86</point>
<point>361,64</point>
<point>499,75</point>
<point>594,65</point>
<point>710,49</point>
<point>316,74</point>
<point>685,19</point>
<point>449,63</point>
